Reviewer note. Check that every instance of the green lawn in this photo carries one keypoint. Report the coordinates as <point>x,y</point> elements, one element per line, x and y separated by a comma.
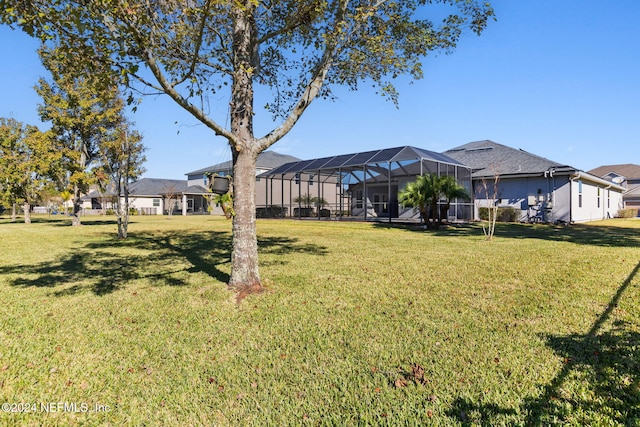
<point>362,324</point>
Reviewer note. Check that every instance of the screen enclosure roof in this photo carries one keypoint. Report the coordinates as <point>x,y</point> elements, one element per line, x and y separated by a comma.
<point>346,163</point>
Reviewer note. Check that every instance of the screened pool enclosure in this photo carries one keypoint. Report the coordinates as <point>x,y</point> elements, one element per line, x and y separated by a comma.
<point>360,185</point>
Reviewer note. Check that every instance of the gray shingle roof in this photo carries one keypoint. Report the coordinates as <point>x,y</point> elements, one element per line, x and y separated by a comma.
<point>150,187</point>
<point>157,186</point>
<point>266,160</point>
<point>196,189</point>
<point>488,158</point>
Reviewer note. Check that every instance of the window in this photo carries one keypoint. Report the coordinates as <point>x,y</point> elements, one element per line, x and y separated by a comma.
<point>579,194</point>
<point>608,198</point>
<point>598,196</point>
<point>156,203</point>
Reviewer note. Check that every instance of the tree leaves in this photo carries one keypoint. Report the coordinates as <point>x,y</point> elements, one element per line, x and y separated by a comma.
<point>27,159</point>
<point>426,192</point>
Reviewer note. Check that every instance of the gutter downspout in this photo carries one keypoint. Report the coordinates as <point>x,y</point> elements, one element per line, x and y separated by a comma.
<point>571,181</point>
<point>608,198</point>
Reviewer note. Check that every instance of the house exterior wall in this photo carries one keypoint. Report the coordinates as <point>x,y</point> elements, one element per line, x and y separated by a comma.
<point>199,179</point>
<point>147,205</point>
<point>591,201</point>
<point>534,197</point>
<point>559,198</point>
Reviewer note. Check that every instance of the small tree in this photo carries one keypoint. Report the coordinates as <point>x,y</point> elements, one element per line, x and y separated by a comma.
<point>122,157</point>
<point>424,194</point>
<point>308,201</point>
<point>450,190</point>
<point>169,194</point>
<point>490,192</point>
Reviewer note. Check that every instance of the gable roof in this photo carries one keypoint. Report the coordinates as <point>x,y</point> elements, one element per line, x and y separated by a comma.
<point>627,170</point>
<point>488,158</point>
<point>196,189</point>
<point>357,160</point>
<point>156,186</point>
<point>266,160</point>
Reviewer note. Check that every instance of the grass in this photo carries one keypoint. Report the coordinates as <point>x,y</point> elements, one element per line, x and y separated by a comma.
<point>362,324</point>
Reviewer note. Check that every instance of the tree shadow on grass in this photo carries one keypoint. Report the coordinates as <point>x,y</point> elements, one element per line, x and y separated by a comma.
<point>599,382</point>
<point>479,414</point>
<point>583,234</point>
<point>162,259</point>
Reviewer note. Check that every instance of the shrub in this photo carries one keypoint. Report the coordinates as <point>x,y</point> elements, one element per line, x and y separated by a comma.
<point>505,214</point>
<point>110,212</point>
<point>272,211</point>
<point>627,213</point>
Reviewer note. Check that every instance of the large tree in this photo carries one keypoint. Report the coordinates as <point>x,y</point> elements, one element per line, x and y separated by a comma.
<point>26,160</point>
<point>191,50</point>
<point>84,113</point>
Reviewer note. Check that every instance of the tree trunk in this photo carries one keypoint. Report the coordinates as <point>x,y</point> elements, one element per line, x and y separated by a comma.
<point>122,210</point>
<point>27,212</point>
<point>245,276</point>
<point>77,206</point>
<point>14,213</point>
<point>77,193</point>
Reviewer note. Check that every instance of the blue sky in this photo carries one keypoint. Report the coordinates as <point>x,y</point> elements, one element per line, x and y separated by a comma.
<point>557,78</point>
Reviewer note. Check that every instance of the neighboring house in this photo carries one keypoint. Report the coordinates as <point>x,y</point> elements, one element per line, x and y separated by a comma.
<point>157,196</point>
<point>366,184</point>
<point>626,175</point>
<point>153,196</point>
<point>266,192</point>
<point>539,188</point>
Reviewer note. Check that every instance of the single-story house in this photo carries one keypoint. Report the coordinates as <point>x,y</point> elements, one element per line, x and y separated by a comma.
<point>626,175</point>
<point>538,188</point>
<point>153,196</point>
<point>365,185</point>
